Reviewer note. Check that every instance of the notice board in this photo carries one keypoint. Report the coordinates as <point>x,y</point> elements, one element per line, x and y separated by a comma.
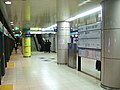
<point>89,40</point>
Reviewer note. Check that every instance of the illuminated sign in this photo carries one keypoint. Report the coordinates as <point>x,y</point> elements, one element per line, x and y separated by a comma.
<point>17,34</point>
<point>16,28</point>
<point>35,28</point>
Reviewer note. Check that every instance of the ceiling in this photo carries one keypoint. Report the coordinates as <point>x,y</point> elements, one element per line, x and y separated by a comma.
<point>43,12</point>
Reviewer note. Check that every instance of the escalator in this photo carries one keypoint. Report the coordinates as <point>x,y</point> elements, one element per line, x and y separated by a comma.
<point>34,43</point>
<point>40,41</point>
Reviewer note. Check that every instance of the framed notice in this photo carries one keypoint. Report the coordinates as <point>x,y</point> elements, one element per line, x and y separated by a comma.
<point>89,40</point>
<point>89,36</point>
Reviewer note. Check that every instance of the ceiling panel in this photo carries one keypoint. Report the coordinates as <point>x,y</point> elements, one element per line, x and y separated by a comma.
<point>43,12</point>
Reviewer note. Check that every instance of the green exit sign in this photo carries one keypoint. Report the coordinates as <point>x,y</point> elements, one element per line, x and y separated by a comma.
<point>7,34</point>
<point>17,34</point>
<point>16,28</point>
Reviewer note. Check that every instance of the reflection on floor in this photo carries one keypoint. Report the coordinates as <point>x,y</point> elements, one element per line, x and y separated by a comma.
<point>41,72</point>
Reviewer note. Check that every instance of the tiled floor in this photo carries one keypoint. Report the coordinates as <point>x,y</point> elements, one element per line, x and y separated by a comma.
<point>41,72</point>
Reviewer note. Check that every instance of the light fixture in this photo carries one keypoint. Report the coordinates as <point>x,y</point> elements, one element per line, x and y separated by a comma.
<point>40,32</point>
<point>11,22</point>
<point>94,10</point>
<point>50,27</point>
<point>84,2</point>
<point>8,2</point>
<point>85,13</point>
<point>34,28</point>
<point>20,32</point>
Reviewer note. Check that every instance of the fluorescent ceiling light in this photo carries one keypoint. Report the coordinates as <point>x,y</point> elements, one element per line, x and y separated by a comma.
<point>20,32</point>
<point>40,32</point>
<point>11,22</point>
<point>85,13</point>
<point>94,10</point>
<point>84,3</point>
<point>50,27</point>
<point>34,28</point>
<point>7,2</point>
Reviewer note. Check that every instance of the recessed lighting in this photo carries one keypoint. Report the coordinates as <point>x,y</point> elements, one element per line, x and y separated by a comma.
<point>8,2</point>
<point>11,22</point>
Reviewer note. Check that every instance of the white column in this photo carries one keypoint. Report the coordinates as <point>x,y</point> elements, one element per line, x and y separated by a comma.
<point>63,34</point>
<point>110,75</point>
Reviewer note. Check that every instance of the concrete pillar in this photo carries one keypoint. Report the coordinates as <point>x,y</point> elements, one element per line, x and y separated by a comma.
<point>63,34</point>
<point>110,75</point>
<point>26,31</point>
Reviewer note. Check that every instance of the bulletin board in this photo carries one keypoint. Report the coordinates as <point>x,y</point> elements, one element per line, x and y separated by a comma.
<point>89,40</point>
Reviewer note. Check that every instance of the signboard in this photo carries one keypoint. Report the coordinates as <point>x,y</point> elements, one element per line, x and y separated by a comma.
<point>89,40</point>
<point>89,36</point>
<point>82,28</point>
<point>16,28</point>
<point>17,35</point>
<point>94,26</point>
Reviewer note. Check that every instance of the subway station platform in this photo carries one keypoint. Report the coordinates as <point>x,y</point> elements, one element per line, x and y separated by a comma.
<point>41,72</point>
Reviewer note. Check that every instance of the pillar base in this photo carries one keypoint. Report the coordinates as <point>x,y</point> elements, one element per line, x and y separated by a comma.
<point>26,56</point>
<point>61,63</point>
<point>109,88</point>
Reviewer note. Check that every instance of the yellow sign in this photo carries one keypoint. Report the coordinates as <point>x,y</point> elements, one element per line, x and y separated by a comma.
<point>35,28</point>
<point>27,47</point>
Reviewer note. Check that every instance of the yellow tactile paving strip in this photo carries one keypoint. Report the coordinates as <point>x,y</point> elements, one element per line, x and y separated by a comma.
<point>6,87</point>
<point>10,64</point>
<point>12,56</point>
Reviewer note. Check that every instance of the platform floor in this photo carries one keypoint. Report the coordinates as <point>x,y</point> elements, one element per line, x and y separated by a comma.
<point>41,72</point>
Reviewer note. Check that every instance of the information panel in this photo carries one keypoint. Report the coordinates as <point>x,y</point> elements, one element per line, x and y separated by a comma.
<point>90,36</point>
<point>89,40</point>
